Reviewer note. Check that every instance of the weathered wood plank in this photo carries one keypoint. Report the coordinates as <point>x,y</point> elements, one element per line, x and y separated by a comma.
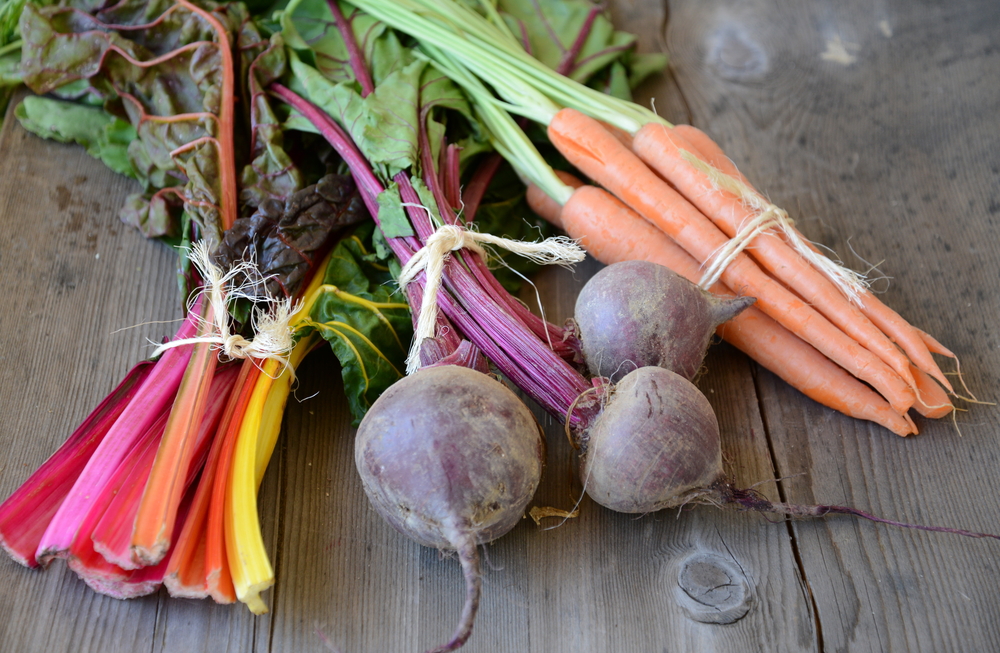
<point>875,126</point>
<point>76,281</point>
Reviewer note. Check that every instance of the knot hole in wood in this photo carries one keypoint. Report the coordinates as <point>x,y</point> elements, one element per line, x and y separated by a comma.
<point>712,590</point>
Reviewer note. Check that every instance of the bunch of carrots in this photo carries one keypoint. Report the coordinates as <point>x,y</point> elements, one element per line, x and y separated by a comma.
<point>669,194</point>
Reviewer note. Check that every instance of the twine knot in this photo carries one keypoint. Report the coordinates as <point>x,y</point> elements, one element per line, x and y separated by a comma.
<point>431,259</point>
<point>769,216</point>
<point>273,336</point>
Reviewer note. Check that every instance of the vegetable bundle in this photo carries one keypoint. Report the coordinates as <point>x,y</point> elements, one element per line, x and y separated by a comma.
<point>680,183</point>
<point>158,485</point>
<point>175,455</point>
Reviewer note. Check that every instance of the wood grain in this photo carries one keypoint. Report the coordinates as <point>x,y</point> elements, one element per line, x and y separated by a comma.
<point>874,124</point>
<point>893,156</point>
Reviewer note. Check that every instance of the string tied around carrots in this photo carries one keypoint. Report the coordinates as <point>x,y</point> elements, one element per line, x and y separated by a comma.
<point>849,282</point>
<point>431,259</point>
<point>273,336</point>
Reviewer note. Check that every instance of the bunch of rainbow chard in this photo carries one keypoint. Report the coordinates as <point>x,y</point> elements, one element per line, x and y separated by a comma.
<point>158,485</point>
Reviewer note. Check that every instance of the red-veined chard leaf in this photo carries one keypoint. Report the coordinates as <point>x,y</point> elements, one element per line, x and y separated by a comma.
<point>155,64</point>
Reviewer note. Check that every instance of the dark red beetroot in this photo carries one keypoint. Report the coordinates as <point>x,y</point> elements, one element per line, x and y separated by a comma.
<point>450,458</point>
<point>656,445</point>
<point>636,313</point>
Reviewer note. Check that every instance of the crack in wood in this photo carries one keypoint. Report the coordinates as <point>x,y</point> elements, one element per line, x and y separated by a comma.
<point>793,541</point>
<point>689,116</point>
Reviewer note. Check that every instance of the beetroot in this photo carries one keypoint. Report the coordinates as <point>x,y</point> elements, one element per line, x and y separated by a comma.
<point>656,445</point>
<point>450,458</point>
<point>635,313</point>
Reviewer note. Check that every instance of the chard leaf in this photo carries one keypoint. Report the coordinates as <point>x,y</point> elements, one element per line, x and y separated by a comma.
<point>163,66</point>
<point>367,324</point>
<point>10,12</point>
<point>271,173</point>
<point>382,125</point>
<point>284,241</point>
<point>641,65</point>
<point>551,27</point>
<point>391,215</point>
<point>308,25</point>
<point>104,136</point>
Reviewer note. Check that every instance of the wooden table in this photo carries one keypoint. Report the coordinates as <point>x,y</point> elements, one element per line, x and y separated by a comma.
<point>875,124</point>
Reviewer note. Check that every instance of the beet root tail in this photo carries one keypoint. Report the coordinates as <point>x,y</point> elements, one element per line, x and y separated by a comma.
<point>744,499</point>
<point>468,556</point>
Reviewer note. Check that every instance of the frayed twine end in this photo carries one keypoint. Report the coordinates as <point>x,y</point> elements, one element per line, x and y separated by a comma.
<point>273,336</point>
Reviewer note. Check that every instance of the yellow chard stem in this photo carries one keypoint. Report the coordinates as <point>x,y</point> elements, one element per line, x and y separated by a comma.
<point>249,564</point>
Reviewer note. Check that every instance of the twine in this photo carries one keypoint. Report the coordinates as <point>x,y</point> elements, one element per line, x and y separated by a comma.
<point>849,282</point>
<point>431,259</point>
<point>272,327</point>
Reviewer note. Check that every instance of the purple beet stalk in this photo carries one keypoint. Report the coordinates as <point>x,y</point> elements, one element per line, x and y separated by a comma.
<point>514,349</point>
<point>518,353</point>
<point>550,333</point>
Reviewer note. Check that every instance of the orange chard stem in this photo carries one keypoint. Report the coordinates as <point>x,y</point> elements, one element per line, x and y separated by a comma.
<point>186,574</point>
<point>219,580</point>
<point>154,522</point>
<point>227,110</point>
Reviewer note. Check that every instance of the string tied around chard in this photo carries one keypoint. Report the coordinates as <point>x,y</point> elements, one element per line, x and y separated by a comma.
<point>849,282</point>
<point>431,259</point>
<point>273,335</point>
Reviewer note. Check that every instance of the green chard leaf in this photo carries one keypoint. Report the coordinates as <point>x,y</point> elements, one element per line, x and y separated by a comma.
<point>271,173</point>
<point>383,125</point>
<point>551,28</point>
<point>307,25</point>
<point>366,322</point>
<point>10,13</point>
<point>392,215</point>
<point>105,137</point>
<point>75,50</point>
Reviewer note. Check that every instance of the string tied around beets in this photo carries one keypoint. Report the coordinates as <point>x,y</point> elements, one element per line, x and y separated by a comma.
<point>431,259</point>
<point>273,335</point>
<point>769,216</point>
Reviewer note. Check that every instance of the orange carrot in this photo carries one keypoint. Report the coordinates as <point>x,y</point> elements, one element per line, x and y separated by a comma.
<point>932,400</point>
<point>598,220</point>
<point>894,326</point>
<point>544,205</point>
<point>603,158</point>
<point>710,151</point>
<point>661,148</point>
